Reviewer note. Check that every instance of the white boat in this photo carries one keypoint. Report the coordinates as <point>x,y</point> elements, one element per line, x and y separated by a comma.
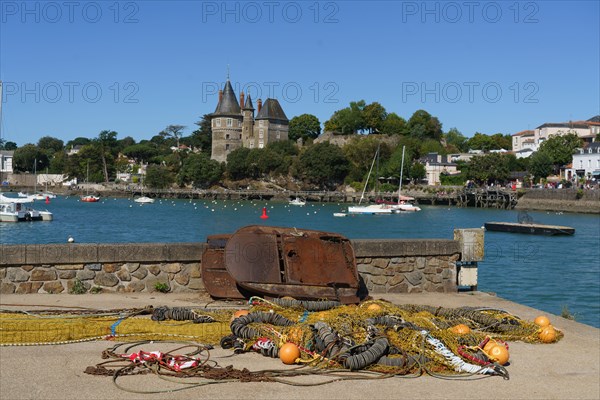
<point>88,198</point>
<point>404,202</point>
<point>144,200</point>
<point>370,208</point>
<point>340,214</point>
<point>17,210</point>
<point>297,202</point>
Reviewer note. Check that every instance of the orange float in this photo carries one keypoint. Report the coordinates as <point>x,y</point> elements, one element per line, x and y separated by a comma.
<point>547,334</point>
<point>239,313</point>
<point>499,354</point>
<point>460,329</point>
<point>289,353</point>
<point>374,307</point>
<point>542,321</point>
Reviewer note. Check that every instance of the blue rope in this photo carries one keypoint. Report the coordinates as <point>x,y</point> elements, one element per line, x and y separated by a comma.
<point>113,327</point>
<point>304,316</point>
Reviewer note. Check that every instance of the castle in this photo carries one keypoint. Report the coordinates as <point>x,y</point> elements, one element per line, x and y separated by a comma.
<point>234,127</point>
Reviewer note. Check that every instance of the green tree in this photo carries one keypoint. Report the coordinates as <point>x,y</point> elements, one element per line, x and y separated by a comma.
<point>238,164</point>
<point>9,146</point>
<point>284,147</point>
<point>173,131</point>
<point>423,125</point>
<point>141,152</point>
<point>347,120</point>
<point>200,171</point>
<point>107,146</point>
<point>361,150</point>
<point>79,141</point>
<point>159,177</point>
<point>323,164</point>
<point>489,168</point>
<point>394,125</point>
<point>202,137</point>
<point>454,138</point>
<point>50,144</point>
<point>540,164</point>
<point>305,126</point>
<point>560,148</point>
<point>480,141</point>
<point>500,141</point>
<point>374,115</point>
<point>26,156</point>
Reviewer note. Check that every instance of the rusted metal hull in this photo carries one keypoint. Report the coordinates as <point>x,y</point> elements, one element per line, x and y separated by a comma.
<point>217,281</point>
<point>275,261</point>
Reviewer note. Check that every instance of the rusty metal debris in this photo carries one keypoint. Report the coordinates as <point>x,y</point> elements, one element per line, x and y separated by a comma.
<point>277,262</point>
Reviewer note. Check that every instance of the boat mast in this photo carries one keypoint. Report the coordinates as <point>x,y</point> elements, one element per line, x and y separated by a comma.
<point>368,176</point>
<point>401,173</point>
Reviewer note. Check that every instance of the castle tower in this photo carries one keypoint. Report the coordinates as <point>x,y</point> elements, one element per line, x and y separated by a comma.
<point>248,138</point>
<point>226,123</point>
<point>271,123</point>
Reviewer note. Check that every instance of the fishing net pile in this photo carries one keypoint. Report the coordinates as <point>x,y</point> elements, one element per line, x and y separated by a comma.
<point>373,336</point>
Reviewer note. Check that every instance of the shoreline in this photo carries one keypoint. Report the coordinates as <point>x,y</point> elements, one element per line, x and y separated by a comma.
<point>562,200</point>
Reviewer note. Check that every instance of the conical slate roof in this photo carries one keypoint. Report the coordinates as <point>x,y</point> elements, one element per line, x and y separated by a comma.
<point>272,110</point>
<point>228,106</point>
<point>248,105</point>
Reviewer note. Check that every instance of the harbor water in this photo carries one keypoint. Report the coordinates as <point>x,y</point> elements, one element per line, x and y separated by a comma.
<point>551,273</point>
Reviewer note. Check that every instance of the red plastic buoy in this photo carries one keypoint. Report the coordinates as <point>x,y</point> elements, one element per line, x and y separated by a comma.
<point>264,214</point>
<point>47,199</point>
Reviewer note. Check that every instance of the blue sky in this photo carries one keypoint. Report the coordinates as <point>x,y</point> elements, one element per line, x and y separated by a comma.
<point>73,69</point>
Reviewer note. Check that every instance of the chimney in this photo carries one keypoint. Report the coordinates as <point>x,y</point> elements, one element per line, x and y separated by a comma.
<point>259,104</point>
<point>220,95</point>
<point>242,99</point>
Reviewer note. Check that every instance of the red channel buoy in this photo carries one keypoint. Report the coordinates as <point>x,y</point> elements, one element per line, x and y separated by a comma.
<point>264,214</point>
<point>47,199</point>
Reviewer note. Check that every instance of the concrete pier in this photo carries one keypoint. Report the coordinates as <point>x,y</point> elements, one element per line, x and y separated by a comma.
<point>568,369</point>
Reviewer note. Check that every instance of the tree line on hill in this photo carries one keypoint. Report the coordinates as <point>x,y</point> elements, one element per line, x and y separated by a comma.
<point>175,159</point>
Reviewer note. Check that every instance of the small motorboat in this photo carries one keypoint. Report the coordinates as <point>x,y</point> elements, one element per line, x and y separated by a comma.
<point>89,198</point>
<point>144,200</point>
<point>297,202</point>
<point>16,210</point>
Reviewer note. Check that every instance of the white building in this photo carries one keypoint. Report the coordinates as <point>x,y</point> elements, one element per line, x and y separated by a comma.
<point>6,161</point>
<point>436,165</point>
<point>586,162</point>
<point>527,142</point>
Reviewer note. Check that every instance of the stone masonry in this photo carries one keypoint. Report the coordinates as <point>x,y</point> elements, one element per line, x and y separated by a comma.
<point>385,266</point>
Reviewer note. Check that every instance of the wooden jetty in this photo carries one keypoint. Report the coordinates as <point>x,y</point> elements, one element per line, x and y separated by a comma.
<point>534,229</point>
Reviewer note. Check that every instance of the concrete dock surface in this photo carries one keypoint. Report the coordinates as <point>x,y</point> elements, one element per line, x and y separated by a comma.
<point>569,369</point>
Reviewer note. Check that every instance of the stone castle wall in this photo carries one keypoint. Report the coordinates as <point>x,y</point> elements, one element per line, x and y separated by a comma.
<point>395,266</point>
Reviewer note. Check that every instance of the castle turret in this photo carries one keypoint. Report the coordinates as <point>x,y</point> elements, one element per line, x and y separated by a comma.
<point>248,138</point>
<point>226,123</point>
<point>271,123</point>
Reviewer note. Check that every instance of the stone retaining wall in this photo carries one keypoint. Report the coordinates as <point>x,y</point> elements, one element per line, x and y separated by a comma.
<point>395,266</point>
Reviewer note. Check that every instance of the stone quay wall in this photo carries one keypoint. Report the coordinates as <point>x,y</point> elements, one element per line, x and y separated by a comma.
<point>395,266</point>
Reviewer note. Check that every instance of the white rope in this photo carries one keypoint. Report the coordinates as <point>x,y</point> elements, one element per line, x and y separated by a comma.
<point>454,360</point>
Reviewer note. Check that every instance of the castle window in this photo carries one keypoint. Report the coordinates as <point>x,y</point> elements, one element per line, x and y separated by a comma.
<point>278,135</point>
<point>226,147</point>
<point>239,123</point>
<point>218,121</point>
<point>229,122</point>
<point>251,145</point>
<point>261,123</point>
<point>261,133</point>
<point>261,145</point>
<point>227,136</point>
